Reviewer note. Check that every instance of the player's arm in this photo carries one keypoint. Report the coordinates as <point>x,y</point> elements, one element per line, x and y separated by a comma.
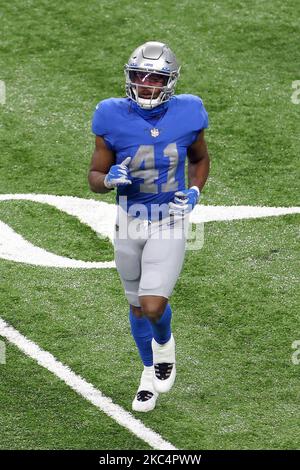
<point>198,162</point>
<point>103,174</point>
<point>102,160</point>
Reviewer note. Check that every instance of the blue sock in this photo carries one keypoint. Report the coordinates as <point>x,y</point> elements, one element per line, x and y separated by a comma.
<point>141,331</point>
<point>162,328</point>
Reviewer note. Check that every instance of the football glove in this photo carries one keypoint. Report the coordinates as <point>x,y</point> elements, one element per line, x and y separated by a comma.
<point>118,175</point>
<point>184,201</point>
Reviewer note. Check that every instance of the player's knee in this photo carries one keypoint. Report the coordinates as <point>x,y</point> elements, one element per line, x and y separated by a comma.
<point>153,307</point>
<point>137,311</point>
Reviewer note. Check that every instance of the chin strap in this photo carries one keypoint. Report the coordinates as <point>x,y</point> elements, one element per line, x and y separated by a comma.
<point>148,104</point>
<point>152,112</point>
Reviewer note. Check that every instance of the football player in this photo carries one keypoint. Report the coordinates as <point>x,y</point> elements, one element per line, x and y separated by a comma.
<point>142,143</point>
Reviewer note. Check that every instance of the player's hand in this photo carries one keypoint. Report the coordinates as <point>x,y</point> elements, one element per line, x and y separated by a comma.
<point>118,175</point>
<point>184,201</point>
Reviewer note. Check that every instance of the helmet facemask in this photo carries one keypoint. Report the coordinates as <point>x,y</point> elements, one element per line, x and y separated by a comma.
<point>152,96</point>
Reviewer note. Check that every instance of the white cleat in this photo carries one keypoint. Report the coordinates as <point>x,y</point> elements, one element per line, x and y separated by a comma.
<point>146,396</point>
<point>164,365</point>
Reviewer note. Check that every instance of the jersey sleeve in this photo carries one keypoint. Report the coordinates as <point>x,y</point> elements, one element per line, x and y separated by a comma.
<point>200,114</point>
<point>100,123</point>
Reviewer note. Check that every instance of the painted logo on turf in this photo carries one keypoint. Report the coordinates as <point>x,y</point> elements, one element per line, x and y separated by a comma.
<point>101,217</point>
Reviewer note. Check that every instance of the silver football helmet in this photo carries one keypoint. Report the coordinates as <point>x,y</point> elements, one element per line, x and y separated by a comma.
<point>155,63</point>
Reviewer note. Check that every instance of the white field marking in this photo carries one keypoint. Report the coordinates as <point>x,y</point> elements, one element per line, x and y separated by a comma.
<point>14,247</point>
<point>83,388</point>
<point>100,217</point>
<point>223,213</point>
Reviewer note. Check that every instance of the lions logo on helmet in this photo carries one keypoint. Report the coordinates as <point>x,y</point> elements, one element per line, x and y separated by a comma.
<point>155,63</point>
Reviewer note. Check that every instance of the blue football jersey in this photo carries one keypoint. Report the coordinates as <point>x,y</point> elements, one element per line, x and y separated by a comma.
<point>158,151</point>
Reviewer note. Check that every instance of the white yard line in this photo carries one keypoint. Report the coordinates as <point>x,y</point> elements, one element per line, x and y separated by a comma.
<point>83,388</point>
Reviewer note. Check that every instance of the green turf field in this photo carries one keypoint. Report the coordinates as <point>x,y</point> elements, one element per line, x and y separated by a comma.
<point>236,304</point>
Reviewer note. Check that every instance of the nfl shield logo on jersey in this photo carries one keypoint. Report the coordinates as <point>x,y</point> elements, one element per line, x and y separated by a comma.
<point>154,132</point>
